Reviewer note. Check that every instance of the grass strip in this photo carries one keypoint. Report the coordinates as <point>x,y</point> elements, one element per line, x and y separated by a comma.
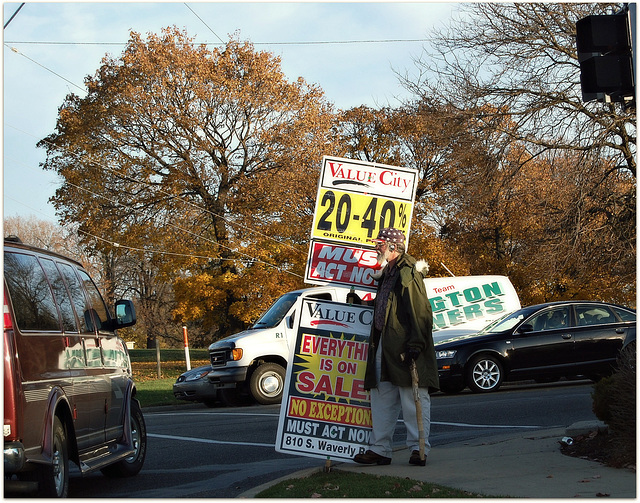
<point>157,392</point>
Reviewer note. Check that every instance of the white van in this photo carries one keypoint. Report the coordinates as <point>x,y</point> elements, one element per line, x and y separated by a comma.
<point>255,360</point>
<point>258,356</point>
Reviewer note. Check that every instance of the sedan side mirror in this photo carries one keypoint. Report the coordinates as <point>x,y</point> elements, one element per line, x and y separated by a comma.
<point>523,329</point>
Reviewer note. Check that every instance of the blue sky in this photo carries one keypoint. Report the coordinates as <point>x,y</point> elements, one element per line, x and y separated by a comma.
<point>58,44</point>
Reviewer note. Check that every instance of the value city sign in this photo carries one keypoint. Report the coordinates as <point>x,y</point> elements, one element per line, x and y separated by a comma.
<point>355,200</point>
<point>368,178</point>
<point>325,409</point>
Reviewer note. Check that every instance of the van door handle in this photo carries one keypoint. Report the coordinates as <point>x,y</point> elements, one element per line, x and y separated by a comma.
<point>620,330</point>
<point>566,336</point>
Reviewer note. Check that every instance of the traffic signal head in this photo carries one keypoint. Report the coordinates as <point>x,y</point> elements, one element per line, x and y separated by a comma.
<point>610,74</point>
<point>602,34</point>
<point>605,56</point>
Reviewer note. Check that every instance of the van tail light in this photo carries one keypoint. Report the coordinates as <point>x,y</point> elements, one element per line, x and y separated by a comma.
<point>8,320</point>
<point>13,409</point>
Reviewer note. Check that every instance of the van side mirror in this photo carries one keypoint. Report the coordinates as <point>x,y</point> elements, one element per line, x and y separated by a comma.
<point>125,314</point>
<point>290,320</point>
<point>523,329</point>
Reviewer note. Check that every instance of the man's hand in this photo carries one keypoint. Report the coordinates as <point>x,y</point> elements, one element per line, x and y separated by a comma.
<point>412,354</point>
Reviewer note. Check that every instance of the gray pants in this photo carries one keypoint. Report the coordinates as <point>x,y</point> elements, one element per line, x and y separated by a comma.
<point>386,402</point>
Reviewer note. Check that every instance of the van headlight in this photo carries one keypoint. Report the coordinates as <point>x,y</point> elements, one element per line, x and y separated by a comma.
<point>445,354</point>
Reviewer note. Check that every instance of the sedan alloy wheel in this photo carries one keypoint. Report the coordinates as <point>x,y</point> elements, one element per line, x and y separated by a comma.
<point>485,374</point>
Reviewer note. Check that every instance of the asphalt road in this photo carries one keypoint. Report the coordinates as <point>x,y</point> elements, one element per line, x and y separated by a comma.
<point>196,452</point>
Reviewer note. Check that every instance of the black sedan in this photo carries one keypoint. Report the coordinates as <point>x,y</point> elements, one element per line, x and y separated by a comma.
<point>542,342</point>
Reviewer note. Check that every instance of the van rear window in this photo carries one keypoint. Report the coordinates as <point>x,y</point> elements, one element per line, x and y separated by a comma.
<point>62,297</point>
<point>31,297</point>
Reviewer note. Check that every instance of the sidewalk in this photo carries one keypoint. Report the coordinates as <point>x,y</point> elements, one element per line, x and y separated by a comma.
<point>521,465</point>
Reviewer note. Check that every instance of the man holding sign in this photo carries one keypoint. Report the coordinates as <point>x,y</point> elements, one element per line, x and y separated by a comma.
<point>400,334</point>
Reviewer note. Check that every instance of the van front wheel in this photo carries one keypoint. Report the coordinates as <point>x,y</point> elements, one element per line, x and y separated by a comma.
<point>130,466</point>
<point>267,383</point>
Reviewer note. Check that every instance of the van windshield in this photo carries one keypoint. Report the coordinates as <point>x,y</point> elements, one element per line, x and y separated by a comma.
<point>277,311</point>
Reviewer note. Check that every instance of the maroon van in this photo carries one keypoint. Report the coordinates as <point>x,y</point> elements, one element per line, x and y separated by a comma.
<point>68,391</point>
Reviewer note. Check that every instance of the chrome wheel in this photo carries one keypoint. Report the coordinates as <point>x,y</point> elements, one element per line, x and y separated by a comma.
<point>59,469</point>
<point>135,437</point>
<point>485,374</point>
<point>267,383</point>
<point>131,465</point>
<point>271,384</point>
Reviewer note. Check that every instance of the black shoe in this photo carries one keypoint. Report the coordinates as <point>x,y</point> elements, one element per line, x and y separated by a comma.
<point>415,459</point>
<point>371,458</point>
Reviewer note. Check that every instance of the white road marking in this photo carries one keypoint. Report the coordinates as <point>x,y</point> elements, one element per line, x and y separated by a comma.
<point>465,425</point>
<point>257,444</point>
<point>207,440</point>
<point>460,425</point>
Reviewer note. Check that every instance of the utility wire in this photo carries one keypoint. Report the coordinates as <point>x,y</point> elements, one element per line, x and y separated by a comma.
<point>298,42</point>
<point>143,250</point>
<point>186,231</point>
<point>47,69</point>
<point>117,245</point>
<point>14,15</point>
<point>202,20</point>
<point>160,252</point>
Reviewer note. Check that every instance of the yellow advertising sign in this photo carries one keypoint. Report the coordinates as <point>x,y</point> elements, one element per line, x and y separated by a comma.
<point>356,218</point>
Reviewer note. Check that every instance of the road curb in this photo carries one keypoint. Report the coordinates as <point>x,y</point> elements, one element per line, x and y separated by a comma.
<point>586,427</point>
<point>251,493</point>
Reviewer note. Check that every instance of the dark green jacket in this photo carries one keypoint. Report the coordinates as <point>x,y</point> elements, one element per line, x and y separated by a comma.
<point>409,323</point>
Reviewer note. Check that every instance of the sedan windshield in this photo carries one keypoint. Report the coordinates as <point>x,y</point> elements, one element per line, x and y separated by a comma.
<point>507,322</point>
<point>277,311</point>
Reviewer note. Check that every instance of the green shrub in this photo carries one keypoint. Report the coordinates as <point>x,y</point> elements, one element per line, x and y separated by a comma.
<point>602,397</point>
<point>614,402</point>
<point>623,407</point>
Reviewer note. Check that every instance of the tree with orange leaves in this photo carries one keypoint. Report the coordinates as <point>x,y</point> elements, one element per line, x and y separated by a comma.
<point>182,156</point>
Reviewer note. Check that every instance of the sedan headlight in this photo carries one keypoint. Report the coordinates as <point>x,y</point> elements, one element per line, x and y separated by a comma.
<point>197,375</point>
<point>445,354</point>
